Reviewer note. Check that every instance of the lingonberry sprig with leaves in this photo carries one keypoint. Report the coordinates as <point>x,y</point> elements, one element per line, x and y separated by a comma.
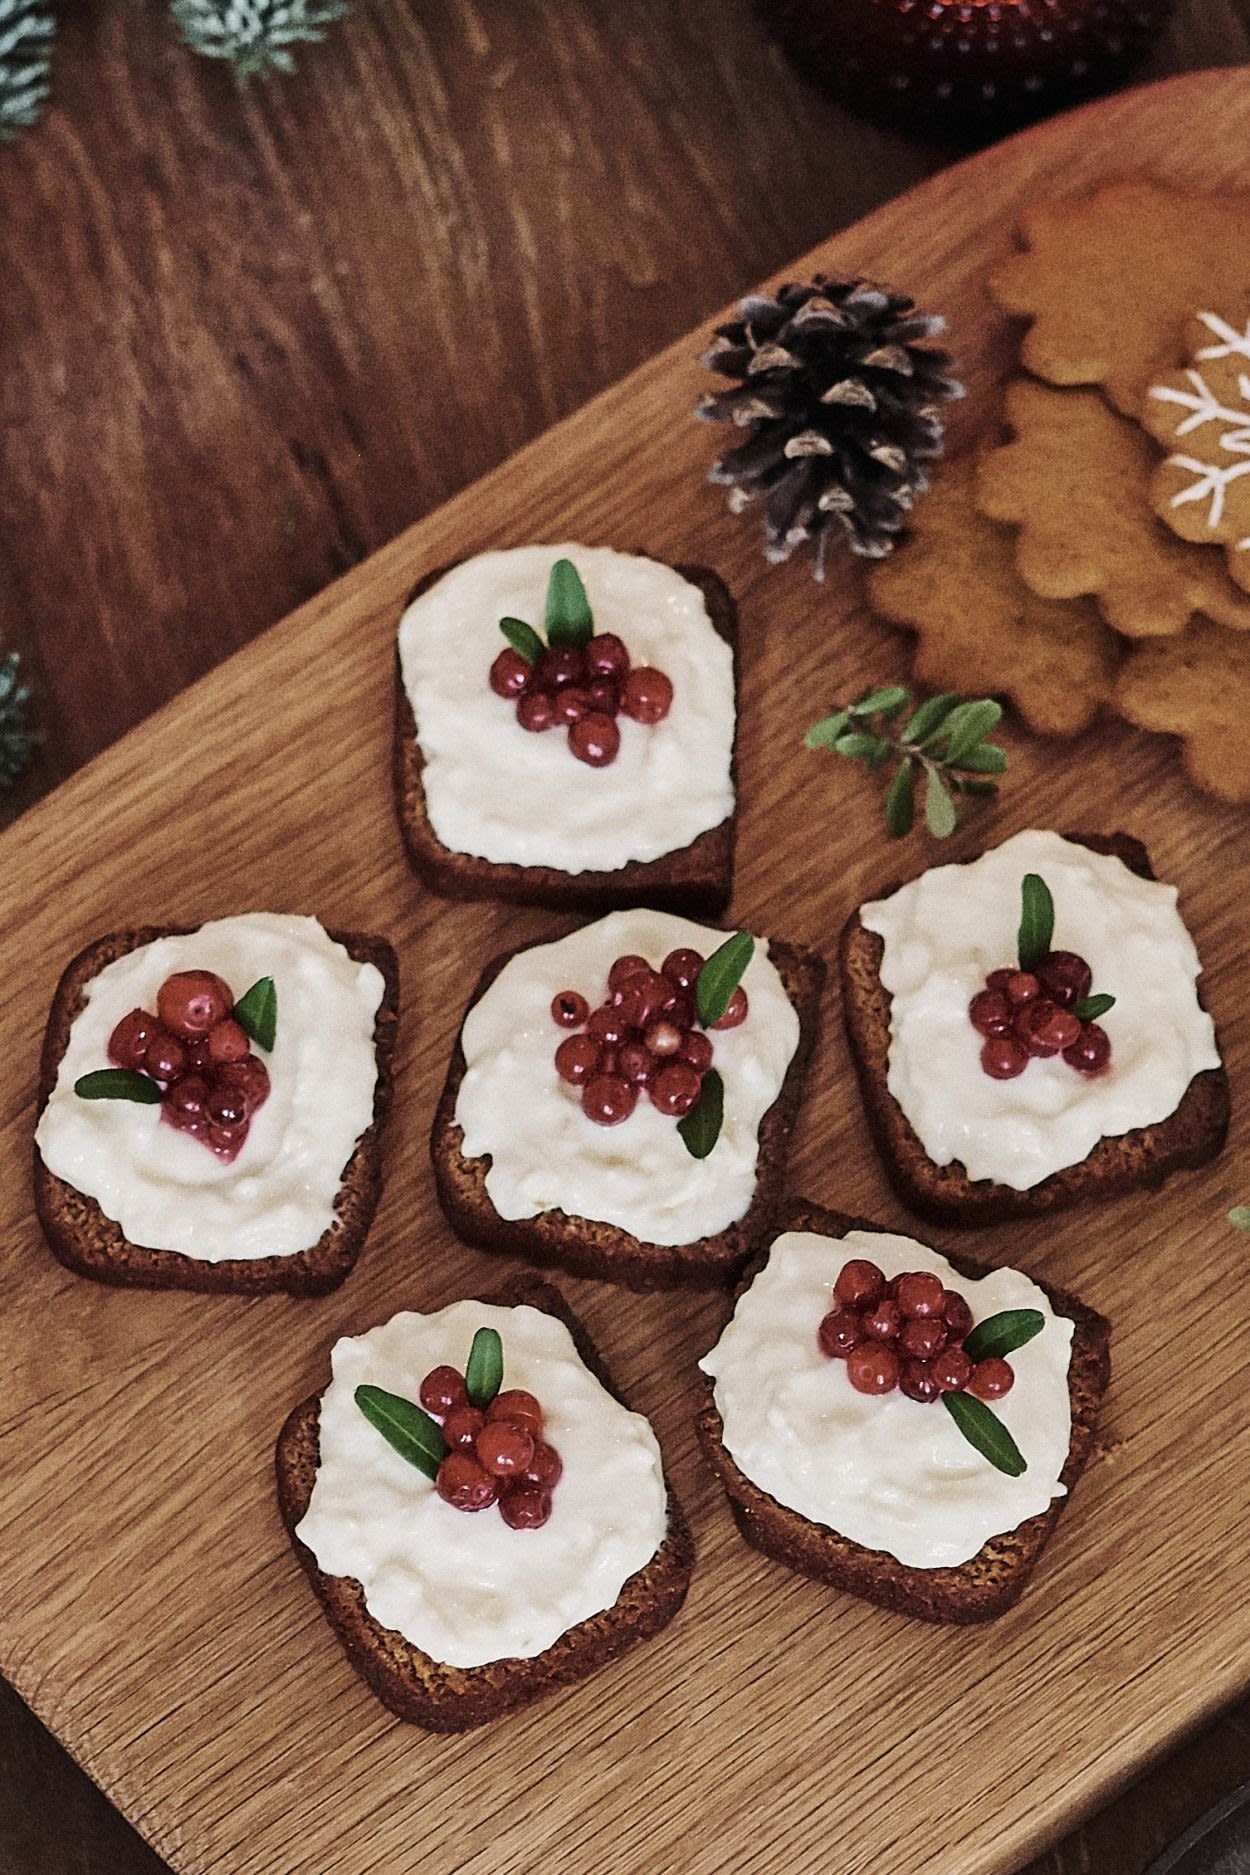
<point>942,741</point>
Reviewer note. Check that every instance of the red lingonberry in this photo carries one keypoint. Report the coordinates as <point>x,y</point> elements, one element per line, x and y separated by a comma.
<point>697,1050</point>
<point>1065,977</point>
<point>185,1103</point>
<point>504,1449</point>
<point>736,1012</point>
<point>461,1427</point>
<point>226,1105</point>
<point>872,1368</point>
<point>663,1037</point>
<point>1091,1051</point>
<point>957,1315</point>
<point>595,739</point>
<point>165,1058</point>
<point>536,711</point>
<point>602,695</point>
<point>443,1388</point>
<point>248,1078</point>
<point>860,1284</point>
<point>226,1141</point>
<point>951,1369</point>
<point>636,1062</point>
<point>520,1408</point>
<point>607,1099</point>
<point>191,1002</point>
<point>572,703</point>
<point>607,656</point>
<point>682,967</point>
<point>1044,1029</point>
<point>676,1089</point>
<point>839,1332</point>
<point>525,1506</point>
<point>227,1042</point>
<point>1022,987</point>
<point>561,665</point>
<point>999,979</point>
<point>882,1322</point>
<point>646,694</point>
<point>990,1379</point>
<point>917,1380</point>
<point>920,1292</point>
<point>462,1483</point>
<point>510,675</point>
<point>626,968</point>
<point>990,1012</point>
<point>923,1337</point>
<point>1003,1057</point>
<point>129,1041</point>
<point>545,1467</point>
<point>569,1009</point>
<point>608,1024</point>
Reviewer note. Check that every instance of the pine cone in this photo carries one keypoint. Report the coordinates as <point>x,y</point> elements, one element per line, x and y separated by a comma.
<point>842,402</point>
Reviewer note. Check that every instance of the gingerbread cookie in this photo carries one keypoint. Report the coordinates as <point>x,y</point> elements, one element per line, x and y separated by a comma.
<point>1075,481</point>
<point>1109,282</point>
<point>954,583</point>
<point>1196,687</point>
<point>1202,415</point>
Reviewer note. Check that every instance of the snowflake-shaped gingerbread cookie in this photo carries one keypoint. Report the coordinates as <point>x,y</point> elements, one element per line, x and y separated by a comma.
<point>1202,415</point>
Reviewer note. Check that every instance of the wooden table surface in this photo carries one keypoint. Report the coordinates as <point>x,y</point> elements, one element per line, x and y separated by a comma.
<point>248,337</point>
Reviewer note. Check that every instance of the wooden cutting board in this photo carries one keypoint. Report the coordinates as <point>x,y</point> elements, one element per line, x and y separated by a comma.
<point>150,1610</point>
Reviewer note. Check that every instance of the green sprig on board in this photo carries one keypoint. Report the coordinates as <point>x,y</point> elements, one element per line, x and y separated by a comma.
<point>17,739</point>
<point>1239,1217</point>
<point>255,36</point>
<point>942,743</point>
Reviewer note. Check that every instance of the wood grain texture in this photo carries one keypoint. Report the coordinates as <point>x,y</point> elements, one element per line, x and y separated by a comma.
<point>150,1611</point>
<point>173,293</point>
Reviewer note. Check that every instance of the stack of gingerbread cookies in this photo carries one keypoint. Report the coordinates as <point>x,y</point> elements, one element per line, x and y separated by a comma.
<point>1101,555</point>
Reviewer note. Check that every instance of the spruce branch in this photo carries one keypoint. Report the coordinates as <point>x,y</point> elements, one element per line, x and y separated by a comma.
<point>942,741</point>
<point>256,36</point>
<point>27,31</point>
<point>17,740</point>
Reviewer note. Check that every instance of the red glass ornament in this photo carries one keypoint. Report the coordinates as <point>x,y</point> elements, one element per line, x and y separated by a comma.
<point>965,70</point>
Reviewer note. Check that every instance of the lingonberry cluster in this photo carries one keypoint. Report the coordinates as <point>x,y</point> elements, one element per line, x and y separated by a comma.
<point>1028,1015</point>
<point>642,1037</point>
<point>199,1056</point>
<point>583,688</point>
<point>496,1457</point>
<point>907,1333</point>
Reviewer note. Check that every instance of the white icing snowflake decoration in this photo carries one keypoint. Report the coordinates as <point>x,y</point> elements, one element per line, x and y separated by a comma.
<point>1204,406</point>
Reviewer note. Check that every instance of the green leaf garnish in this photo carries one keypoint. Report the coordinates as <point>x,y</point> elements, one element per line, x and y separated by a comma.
<point>701,1127</point>
<point>943,738</point>
<point>824,734</point>
<point>986,1432</point>
<point>118,1084</point>
<point>256,1012</point>
<point>720,977</point>
<point>900,800</point>
<point>1037,920</point>
<point>1091,1007</point>
<point>1239,1217</point>
<point>523,639</point>
<point>414,1435</point>
<point>967,726</point>
<point>887,701</point>
<point>569,620</point>
<point>928,718</point>
<point>986,759</point>
<point>940,812</point>
<point>860,747</point>
<point>483,1374</point>
<point>1002,1334</point>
